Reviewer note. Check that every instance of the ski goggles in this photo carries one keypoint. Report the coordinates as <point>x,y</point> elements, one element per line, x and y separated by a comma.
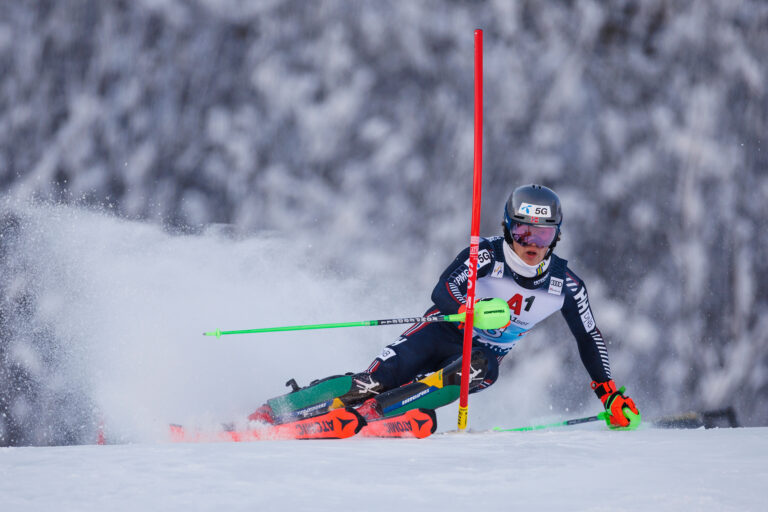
<point>526,234</point>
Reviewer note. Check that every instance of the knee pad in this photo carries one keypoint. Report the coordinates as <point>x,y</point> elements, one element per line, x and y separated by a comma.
<point>478,369</point>
<point>491,373</point>
<point>364,386</point>
<point>481,366</point>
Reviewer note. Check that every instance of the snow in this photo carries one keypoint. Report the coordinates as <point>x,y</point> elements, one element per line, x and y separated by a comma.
<point>135,361</point>
<point>299,121</point>
<point>586,469</point>
<point>352,128</point>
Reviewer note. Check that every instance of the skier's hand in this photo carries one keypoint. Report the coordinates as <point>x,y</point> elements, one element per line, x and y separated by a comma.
<point>462,309</point>
<point>622,412</point>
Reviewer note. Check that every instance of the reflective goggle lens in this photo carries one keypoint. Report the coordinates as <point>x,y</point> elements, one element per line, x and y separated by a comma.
<point>540,236</point>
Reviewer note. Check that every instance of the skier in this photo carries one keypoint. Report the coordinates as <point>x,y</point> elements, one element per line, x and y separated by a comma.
<point>422,368</point>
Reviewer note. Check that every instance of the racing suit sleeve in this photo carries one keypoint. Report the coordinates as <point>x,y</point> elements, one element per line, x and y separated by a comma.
<point>578,315</point>
<point>450,292</point>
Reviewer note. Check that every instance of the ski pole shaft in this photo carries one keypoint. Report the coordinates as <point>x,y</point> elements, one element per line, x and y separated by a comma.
<point>489,314</point>
<point>566,423</point>
<point>458,317</point>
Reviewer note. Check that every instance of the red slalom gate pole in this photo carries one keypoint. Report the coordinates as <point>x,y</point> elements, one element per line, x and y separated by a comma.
<point>474,241</point>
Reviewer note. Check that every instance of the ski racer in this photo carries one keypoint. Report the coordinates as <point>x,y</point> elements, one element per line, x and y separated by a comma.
<point>422,368</point>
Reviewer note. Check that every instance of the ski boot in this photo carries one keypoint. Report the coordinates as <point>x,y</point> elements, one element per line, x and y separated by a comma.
<point>429,392</point>
<point>363,391</point>
<point>318,397</point>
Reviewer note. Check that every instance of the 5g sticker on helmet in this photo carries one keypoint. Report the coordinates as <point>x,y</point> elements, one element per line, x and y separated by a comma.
<point>534,209</point>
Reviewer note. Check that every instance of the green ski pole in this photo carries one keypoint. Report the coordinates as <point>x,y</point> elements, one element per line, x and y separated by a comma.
<point>599,416</point>
<point>489,314</point>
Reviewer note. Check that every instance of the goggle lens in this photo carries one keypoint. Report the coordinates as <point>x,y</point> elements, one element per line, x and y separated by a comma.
<point>540,236</point>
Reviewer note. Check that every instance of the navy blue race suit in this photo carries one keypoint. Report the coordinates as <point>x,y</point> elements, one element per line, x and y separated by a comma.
<point>426,347</point>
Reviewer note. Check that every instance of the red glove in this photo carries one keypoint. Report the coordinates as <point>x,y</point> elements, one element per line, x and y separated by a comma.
<point>621,409</point>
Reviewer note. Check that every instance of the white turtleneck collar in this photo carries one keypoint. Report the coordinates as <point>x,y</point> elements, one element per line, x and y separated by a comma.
<point>520,267</point>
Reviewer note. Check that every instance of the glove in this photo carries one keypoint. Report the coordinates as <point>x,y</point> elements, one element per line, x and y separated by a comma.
<point>462,309</point>
<point>621,412</point>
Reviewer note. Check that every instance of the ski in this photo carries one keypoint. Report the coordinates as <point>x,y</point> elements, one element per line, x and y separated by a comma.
<point>336,424</point>
<point>416,423</point>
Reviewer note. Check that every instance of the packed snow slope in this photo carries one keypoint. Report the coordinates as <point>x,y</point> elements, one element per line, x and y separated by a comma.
<point>582,469</point>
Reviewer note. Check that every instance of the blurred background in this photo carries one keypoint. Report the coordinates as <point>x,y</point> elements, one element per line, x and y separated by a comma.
<point>168,164</point>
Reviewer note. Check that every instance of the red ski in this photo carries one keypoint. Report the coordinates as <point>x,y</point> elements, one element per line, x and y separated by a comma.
<point>336,424</point>
<point>418,423</point>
